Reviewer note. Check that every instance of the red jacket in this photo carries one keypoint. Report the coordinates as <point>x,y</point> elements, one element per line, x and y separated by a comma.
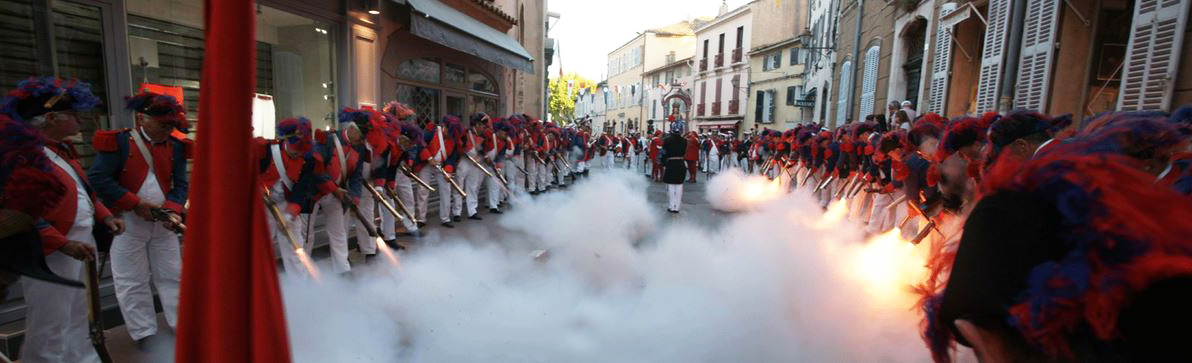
<point>61,218</point>
<point>119,169</point>
<point>655,147</point>
<point>692,148</point>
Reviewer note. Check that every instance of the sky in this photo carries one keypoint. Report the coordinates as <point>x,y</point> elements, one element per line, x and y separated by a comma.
<point>590,29</point>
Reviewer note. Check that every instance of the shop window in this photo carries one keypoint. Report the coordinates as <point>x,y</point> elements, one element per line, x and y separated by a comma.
<point>454,74</point>
<point>488,105</point>
<point>480,82</point>
<point>455,106</point>
<point>424,101</point>
<point>420,69</point>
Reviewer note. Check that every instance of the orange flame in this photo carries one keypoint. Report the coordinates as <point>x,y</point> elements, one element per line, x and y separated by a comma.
<point>389,255</point>
<point>306,262</point>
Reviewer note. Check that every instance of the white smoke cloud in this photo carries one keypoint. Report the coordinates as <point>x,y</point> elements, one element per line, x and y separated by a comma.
<point>781,283</point>
<point>733,191</point>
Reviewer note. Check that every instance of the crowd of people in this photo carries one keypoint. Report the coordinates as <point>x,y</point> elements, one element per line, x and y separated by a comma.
<point>1053,238</point>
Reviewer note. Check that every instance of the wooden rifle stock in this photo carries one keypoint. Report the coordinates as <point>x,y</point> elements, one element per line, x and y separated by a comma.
<point>95,311</point>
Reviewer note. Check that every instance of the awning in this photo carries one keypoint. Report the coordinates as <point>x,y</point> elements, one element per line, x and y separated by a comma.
<point>441,24</point>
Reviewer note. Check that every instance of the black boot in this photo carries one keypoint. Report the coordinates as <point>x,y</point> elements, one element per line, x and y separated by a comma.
<point>447,225</point>
<point>494,211</point>
<point>475,217</point>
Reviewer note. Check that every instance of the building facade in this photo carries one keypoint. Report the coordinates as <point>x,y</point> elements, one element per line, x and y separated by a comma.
<point>776,97</point>
<point>821,56</point>
<point>722,70</point>
<point>669,93</point>
<point>863,60</point>
<point>650,50</point>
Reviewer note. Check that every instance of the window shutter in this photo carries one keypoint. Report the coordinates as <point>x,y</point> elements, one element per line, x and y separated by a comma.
<point>845,93</point>
<point>771,96</point>
<point>761,101</point>
<point>790,96</point>
<point>1153,55</point>
<point>941,66</point>
<point>869,84</point>
<point>1038,54</point>
<point>992,54</point>
<point>777,59</point>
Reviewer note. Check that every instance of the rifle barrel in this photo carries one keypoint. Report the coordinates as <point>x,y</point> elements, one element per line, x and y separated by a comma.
<point>95,311</point>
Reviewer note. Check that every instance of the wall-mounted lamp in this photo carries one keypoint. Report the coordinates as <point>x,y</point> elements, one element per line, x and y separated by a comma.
<point>374,7</point>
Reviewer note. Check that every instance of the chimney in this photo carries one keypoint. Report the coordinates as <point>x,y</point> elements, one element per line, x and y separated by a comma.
<point>723,9</point>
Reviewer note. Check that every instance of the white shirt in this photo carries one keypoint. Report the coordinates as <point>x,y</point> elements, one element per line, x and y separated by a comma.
<point>85,211</point>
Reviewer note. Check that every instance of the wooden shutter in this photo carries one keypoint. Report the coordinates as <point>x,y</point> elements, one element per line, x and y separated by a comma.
<point>1153,55</point>
<point>1038,54</point>
<point>941,67</point>
<point>845,93</point>
<point>992,55</point>
<point>869,82</point>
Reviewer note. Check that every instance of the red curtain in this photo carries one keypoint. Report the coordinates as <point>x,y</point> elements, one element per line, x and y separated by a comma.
<point>230,308</point>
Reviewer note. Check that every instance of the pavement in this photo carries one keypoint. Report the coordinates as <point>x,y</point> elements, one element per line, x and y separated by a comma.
<point>695,210</point>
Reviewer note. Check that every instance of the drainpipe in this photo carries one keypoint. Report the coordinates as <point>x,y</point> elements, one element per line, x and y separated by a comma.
<point>1010,72</point>
<point>852,82</point>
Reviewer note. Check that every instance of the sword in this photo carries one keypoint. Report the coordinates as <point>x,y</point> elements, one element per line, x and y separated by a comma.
<point>451,180</point>
<point>384,202</point>
<point>414,177</point>
<point>95,311</point>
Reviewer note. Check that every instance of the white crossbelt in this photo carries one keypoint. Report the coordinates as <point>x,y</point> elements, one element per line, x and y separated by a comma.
<point>279,164</point>
<point>65,166</point>
<point>343,163</point>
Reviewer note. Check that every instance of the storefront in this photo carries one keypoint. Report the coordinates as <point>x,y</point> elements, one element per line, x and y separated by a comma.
<point>445,60</point>
<point>123,46</point>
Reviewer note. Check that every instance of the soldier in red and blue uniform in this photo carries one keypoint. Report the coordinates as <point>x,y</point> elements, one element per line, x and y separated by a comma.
<point>344,167</point>
<point>294,175</point>
<point>142,171</point>
<point>442,144</point>
<point>56,314</point>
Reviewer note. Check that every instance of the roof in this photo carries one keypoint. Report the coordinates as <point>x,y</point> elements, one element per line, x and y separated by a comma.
<point>668,65</point>
<point>729,15</point>
<point>681,28</point>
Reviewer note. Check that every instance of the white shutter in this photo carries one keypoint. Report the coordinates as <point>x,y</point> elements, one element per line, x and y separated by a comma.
<point>869,82</point>
<point>845,93</point>
<point>772,96</point>
<point>941,66</point>
<point>1038,54</point>
<point>992,54</point>
<point>1152,57</point>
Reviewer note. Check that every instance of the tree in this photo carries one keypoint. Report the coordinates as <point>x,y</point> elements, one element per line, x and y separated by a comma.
<point>563,93</point>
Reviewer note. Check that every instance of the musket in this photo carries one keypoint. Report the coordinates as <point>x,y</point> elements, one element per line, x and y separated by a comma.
<point>368,224</point>
<point>810,173</point>
<point>500,175</point>
<point>410,174</point>
<point>847,183</point>
<point>896,202</point>
<point>487,172</point>
<point>168,219</point>
<point>384,202</point>
<point>95,311</point>
<point>857,189</point>
<point>451,180</point>
<point>825,183</point>
<point>400,204</point>
<point>281,222</point>
<point>931,225</point>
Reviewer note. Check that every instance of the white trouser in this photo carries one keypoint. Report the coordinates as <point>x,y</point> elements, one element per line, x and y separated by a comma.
<point>517,180</point>
<point>404,188</point>
<point>445,193</point>
<point>368,207</point>
<point>714,162</point>
<point>297,228</point>
<point>674,196</point>
<point>470,177</point>
<point>562,171</point>
<point>545,174</point>
<point>388,221</point>
<point>332,211</point>
<point>825,195</point>
<point>532,170</point>
<point>495,190</point>
<point>732,159</point>
<point>881,219</point>
<point>859,206</point>
<point>703,161</point>
<point>422,195</point>
<point>609,159</point>
<point>56,327</point>
<point>144,250</point>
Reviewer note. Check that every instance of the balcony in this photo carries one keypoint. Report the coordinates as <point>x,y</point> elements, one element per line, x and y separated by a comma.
<point>716,108</point>
<point>734,107</point>
<point>720,60</point>
<point>737,55</point>
<point>703,65</point>
<point>699,109</point>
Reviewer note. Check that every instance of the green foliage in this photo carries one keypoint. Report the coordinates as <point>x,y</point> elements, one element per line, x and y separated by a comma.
<point>561,102</point>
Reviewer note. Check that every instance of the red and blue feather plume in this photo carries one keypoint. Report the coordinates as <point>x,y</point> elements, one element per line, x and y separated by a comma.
<point>35,97</point>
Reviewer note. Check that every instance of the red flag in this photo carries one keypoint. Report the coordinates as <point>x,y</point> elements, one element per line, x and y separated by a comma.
<point>230,306</point>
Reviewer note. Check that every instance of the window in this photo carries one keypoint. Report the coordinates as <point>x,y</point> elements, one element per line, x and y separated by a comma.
<point>721,44</point>
<point>790,96</point>
<point>705,48</point>
<point>740,36</point>
<point>736,87</point>
<point>481,82</point>
<point>777,60</point>
<point>453,74</point>
<point>761,106</point>
<point>771,95</point>
<point>795,56</point>
<point>703,92</point>
<point>718,84</point>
